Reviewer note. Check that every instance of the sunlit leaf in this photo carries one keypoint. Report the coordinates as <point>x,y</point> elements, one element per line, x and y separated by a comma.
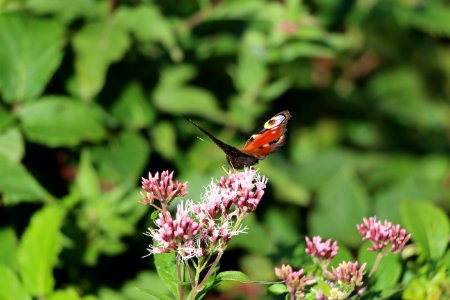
<point>10,286</point>
<point>428,225</point>
<point>166,267</point>
<point>31,51</point>
<point>39,248</point>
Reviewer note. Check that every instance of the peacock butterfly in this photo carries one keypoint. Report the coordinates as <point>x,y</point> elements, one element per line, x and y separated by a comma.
<point>262,143</point>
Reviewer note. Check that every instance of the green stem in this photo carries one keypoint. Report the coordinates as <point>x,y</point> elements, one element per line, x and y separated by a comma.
<point>375,264</point>
<point>180,281</point>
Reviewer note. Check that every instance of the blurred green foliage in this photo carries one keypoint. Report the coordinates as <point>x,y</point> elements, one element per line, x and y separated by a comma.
<point>92,94</point>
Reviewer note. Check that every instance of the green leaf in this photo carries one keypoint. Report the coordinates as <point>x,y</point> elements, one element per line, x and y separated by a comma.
<point>8,250</point>
<point>154,294</point>
<point>133,108</point>
<point>428,225</point>
<point>10,285</point>
<point>87,180</point>
<point>66,10</point>
<point>17,185</point>
<point>6,119</point>
<point>174,96</point>
<point>60,121</point>
<point>96,47</point>
<point>166,267</point>
<point>149,26</point>
<point>11,144</point>
<point>124,159</point>
<point>31,52</point>
<point>39,248</point>
<point>278,289</point>
<point>164,139</point>
<point>233,276</point>
<point>342,203</point>
<point>258,267</point>
<point>68,294</point>
<point>388,271</point>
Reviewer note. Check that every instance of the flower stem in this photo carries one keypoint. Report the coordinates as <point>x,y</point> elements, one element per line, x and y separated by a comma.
<point>180,281</point>
<point>375,264</point>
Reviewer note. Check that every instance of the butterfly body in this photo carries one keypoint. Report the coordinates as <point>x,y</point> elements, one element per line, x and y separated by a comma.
<point>265,141</point>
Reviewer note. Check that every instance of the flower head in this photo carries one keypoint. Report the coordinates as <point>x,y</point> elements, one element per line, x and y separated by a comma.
<point>206,227</point>
<point>163,189</point>
<point>295,281</point>
<point>322,250</point>
<point>245,188</point>
<point>381,234</point>
<point>175,234</point>
<point>348,273</point>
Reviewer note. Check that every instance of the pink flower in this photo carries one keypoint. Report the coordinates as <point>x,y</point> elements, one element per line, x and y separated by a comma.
<point>245,188</point>
<point>177,235</point>
<point>381,234</point>
<point>322,250</point>
<point>295,281</point>
<point>348,272</point>
<point>163,190</point>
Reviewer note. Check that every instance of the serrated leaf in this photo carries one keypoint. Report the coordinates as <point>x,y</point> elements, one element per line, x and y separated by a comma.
<point>97,46</point>
<point>11,144</point>
<point>166,267</point>
<point>342,203</point>
<point>39,248</point>
<point>31,51</point>
<point>17,185</point>
<point>428,225</point>
<point>60,121</point>
<point>10,286</point>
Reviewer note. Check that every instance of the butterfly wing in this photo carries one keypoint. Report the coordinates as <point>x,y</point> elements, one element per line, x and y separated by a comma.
<point>270,138</point>
<point>236,158</point>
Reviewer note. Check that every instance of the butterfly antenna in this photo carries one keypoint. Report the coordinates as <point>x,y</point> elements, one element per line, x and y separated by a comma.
<point>222,145</point>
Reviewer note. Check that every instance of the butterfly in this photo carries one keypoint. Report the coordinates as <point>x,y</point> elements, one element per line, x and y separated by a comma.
<point>262,143</point>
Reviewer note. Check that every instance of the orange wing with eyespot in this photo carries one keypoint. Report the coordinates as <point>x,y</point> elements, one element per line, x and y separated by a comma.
<point>270,138</point>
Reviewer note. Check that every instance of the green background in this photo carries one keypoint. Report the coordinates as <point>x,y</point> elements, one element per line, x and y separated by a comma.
<point>92,97</point>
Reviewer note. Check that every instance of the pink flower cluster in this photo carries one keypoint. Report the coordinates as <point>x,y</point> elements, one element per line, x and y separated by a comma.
<point>206,227</point>
<point>246,189</point>
<point>348,272</point>
<point>383,234</point>
<point>322,250</point>
<point>163,189</point>
<point>172,234</point>
<point>295,281</point>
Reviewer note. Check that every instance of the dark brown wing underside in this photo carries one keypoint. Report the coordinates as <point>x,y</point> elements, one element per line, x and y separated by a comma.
<point>235,157</point>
